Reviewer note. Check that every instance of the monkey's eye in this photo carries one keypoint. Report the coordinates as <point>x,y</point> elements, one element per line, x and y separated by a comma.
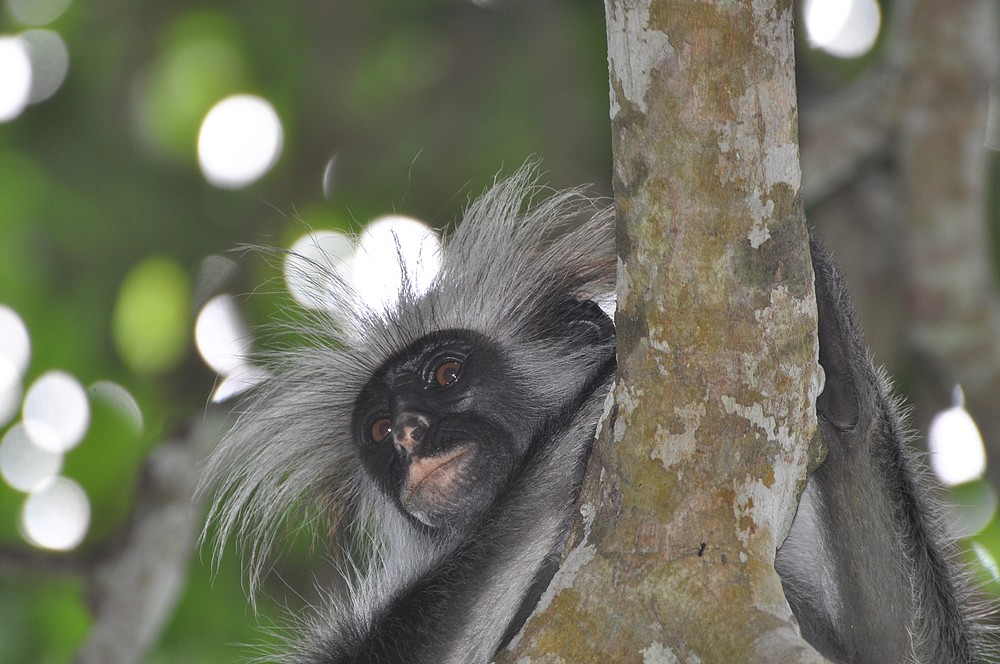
<point>447,372</point>
<point>381,429</point>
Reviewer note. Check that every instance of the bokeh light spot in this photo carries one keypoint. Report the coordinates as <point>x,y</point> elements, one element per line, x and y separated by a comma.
<point>49,63</point>
<point>152,316</point>
<point>37,12</point>
<point>220,336</point>
<point>316,264</point>
<point>10,393</point>
<point>843,28</point>
<point>15,344</point>
<point>240,140</point>
<point>244,377</point>
<point>223,342</point>
<point>15,77</point>
<point>987,560</point>
<point>395,252</point>
<point>56,515</point>
<point>24,465</point>
<point>56,412</point>
<point>119,400</point>
<point>15,351</point>
<point>329,177</point>
<point>200,60</point>
<point>956,447</point>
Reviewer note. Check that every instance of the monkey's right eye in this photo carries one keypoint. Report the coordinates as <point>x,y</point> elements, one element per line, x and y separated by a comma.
<point>447,372</point>
<point>381,429</point>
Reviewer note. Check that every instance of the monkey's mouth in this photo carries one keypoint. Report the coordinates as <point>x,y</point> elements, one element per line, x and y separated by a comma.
<point>433,479</point>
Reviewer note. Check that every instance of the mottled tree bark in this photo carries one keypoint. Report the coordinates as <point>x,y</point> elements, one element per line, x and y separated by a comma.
<point>693,482</point>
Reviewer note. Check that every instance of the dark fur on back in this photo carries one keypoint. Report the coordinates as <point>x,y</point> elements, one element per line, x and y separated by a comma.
<point>868,565</point>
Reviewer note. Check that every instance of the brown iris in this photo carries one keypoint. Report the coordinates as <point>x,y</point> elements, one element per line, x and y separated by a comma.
<point>447,372</point>
<point>381,429</point>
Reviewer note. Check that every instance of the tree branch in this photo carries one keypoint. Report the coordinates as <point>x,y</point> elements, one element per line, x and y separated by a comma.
<point>133,590</point>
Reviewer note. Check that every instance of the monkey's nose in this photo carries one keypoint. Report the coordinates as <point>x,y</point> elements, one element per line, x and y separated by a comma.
<point>408,431</point>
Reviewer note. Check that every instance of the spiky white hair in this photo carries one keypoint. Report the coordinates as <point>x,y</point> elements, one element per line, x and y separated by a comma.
<point>290,459</point>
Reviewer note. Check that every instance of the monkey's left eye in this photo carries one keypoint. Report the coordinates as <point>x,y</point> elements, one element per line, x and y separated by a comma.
<point>381,429</point>
<point>447,372</point>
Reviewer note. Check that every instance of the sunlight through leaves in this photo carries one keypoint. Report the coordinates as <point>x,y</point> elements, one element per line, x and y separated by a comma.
<point>843,28</point>
<point>15,77</point>
<point>956,447</point>
<point>56,412</point>
<point>240,140</point>
<point>56,515</point>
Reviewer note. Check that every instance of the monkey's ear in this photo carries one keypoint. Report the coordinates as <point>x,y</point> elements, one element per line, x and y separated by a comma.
<point>588,323</point>
<point>840,347</point>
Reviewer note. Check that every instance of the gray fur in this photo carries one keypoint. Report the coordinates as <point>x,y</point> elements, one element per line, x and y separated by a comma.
<point>868,565</point>
<point>289,459</point>
<point>874,585</point>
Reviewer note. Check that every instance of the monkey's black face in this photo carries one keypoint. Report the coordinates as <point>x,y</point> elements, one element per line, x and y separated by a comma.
<point>442,426</point>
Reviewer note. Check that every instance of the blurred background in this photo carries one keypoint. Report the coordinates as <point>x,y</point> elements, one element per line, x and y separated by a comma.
<point>143,143</point>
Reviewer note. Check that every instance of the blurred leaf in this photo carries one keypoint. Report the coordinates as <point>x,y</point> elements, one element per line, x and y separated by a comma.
<point>41,621</point>
<point>151,323</point>
<point>409,59</point>
<point>201,61</point>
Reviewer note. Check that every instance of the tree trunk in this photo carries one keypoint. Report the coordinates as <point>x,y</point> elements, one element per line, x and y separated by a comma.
<point>694,479</point>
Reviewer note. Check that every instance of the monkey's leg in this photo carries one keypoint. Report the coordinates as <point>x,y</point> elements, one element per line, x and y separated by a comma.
<point>864,567</point>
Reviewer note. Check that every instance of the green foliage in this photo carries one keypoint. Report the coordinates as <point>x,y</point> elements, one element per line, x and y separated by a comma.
<point>151,323</point>
<point>200,60</point>
<point>42,620</point>
<point>104,217</point>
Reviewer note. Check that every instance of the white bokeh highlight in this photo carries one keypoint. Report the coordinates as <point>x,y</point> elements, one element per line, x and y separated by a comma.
<point>15,352</point>
<point>330,178</point>
<point>220,336</point>
<point>243,378</point>
<point>10,399</point>
<point>324,270</point>
<point>24,465</point>
<point>119,400</point>
<point>957,454</point>
<point>224,343</point>
<point>56,412</point>
<point>56,515</point>
<point>987,560</point>
<point>37,12</point>
<point>843,28</point>
<point>15,77</point>
<point>239,141</point>
<point>15,344</point>
<point>314,266</point>
<point>49,63</point>
<point>394,250</point>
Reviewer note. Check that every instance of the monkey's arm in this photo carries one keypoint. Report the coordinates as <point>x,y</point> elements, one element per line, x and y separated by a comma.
<point>865,566</point>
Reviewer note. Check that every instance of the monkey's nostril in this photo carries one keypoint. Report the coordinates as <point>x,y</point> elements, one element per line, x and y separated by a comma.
<point>410,426</point>
<point>408,432</point>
